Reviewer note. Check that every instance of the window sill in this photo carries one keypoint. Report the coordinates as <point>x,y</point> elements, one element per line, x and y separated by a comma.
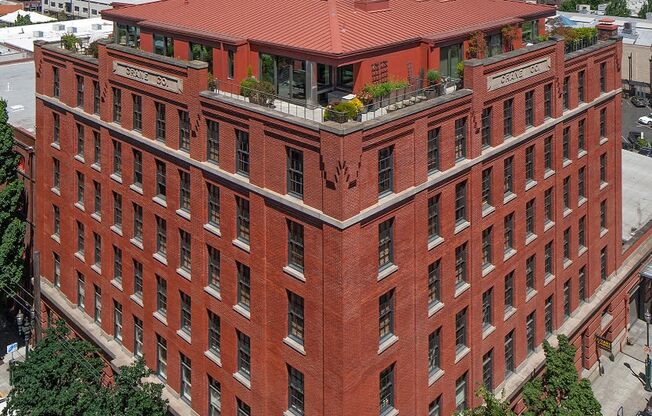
<point>136,188</point>
<point>184,273</point>
<point>137,243</point>
<point>391,412</point>
<point>509,254</point>
<point>97,217</point>
<point>160,258</point>
<point>432,378</point>
<point>185,336</point>
<point>386,272</point>
<point>80,206</point>
<point>80,256</point>
<point>603,185</point>
<point>183,213</point>
<point>433,309</point>
<point>242,245</point>
<point>96,167</point>
<point>462,226</point>
<point>581,201</point>
<point>548,173</point>
<point>549,278</point>
<point>509,312</point>
<point>487,209</point>
<point>548,225</point>
<point>461,289</point>
<point>603,232</point>
<point>566,162</point>
<point>530,294</point>
<point>116,229</point>
<point>159,200</point>
<point>530,184</point>
<point>435,242</point>
<point>213,229</point>
<point>55,145</point>
<point>56,191</point>
<point>487,269</point>
<point>581,251</point>
<point>213,292</point>
<point>79,159</point>
<point>242,311</point>
<point>117,284</point>
<point>581,153</point>
<point>294,345</point>
<point>567,212</point>
<point>116,177</point>
<point>137,299</point>
<point>162,319</point>
<point>387,343</point>
<point>604,140</point>
<point>55,238</point>
<point>96,269</point>
<point>508,197</point>
<point>242,379</point>
<point>530,238</point>
<point>213,357</point>
<point>461,353</point>
<point>294,273</point>
<point>488,331</point>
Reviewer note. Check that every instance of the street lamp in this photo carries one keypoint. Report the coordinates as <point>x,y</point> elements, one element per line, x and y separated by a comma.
<point>648,364</point>
<point>24,329</point>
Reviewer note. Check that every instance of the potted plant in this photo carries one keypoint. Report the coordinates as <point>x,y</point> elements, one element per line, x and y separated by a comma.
<point>476,46</point>
<point>341,112</point>
<point>509,35</point>
<point>434,82</point>
<point>258,92</point>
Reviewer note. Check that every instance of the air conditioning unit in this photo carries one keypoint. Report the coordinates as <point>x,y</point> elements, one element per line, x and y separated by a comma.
<point>584,8</point>
<point>71,29</point>
<point>629,28</point>
<point>58,26</point>
<point>37,33</point>
<point>96,26</point>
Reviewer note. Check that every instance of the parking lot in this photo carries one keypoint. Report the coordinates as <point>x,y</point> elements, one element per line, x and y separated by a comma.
<point>630,115</point>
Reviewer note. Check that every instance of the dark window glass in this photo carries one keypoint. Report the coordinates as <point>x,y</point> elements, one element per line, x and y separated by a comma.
<point>213,205</point>
<point>461,393</point>
<point>385,170</point>
<point>508,110</point>
<point>138,223</point>
<point>184,191</point>
<point>80,91</point>
<point>603,168</point>
<point>486,188</point>
<point>160,122</point>
<point>509,291</point>
<point>580,135</point>
<point>117,265</point>
<point>244,286</point>
<point>161,357</point>
<point>530,329</point>
<point>460,202</point>
<point>138,337</point>
<point>487,309</point>
<point>566,97</point>
<point>56,128</point>
<point>509,353</point>
<point>530,217</point>
<point>186,378</point>
<point>161,295</point>
<point>603,122</point>
<point>295,172</point>
<point>529,163</point>
<point>385,244</point>
<point>434,352</point>
<point>295,317</point>
<point>487,251</point>
<point>547,153</point>
<point>567,304</point>
<point>295,245</point>
<point>508,175</point>
<point>138,168</point>
<point>460,138</point>
<point>212,141</point>
<point>117,105</point>
<point>565,143</point>
<point>548,316</point>
<point>214,264</point>
<point>117,322</point>
<point>185,250</point>
<point>547,205</point>
<point>530,273</point>
<point>386,316</point>
<point>580,86</point>
<point>488,370</point>
<point>581,178</point>
<point>117,158</point>
<point>295,391</point>
<point>509,233</point>
<point>433,218</point>
<point>460,330</point>
<point>96,97</point>
<point>387,390</point>
<point>433,150</point>
<point>137,111</point>
<point>213,333</point>
<point>242,152</point>
<point>55,82</point>
<point>603,77</point>
<point>548,259</point>
<point>161,236</point>
<point>486,127</point>
<point>184,131</point>
<point>547,100</point>
<point>186,314</point>
<point>434,283</point>
<point>242,220</point>
<point>161,179</point>
<point>244,355</point>
<point>581,284</point>
<point>529,108</point>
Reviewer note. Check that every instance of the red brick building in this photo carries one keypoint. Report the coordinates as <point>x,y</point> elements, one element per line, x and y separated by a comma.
<point>264,260</point>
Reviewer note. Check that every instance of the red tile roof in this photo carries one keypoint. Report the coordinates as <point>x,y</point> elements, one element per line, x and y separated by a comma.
<point>327,26</point>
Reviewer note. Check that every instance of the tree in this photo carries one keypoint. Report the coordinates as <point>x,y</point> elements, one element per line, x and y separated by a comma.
<point>70,42</point>
<point>64,376</point>
<point>492,406</point>
<point>558,392</point>
<point>8,158</point>
<point>22,20</point>
<point>617,8</point>
<point>646,8</point>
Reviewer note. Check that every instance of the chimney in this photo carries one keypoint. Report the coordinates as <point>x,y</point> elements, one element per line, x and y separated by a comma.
<point>371,5</point>
<point>606,28</point>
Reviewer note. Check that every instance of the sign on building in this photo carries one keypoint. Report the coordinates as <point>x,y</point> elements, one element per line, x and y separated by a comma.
<point>603,343</point>
<point>146,76</point>
<point>518,73</point>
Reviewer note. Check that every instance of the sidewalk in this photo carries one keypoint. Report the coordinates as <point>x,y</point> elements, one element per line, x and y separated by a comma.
<point>4,371</point>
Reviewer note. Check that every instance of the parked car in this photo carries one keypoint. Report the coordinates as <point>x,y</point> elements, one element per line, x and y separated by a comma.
<point>645,151</point>
<point>647,120</point>
<point>638,101</point>
<point>627,144</point>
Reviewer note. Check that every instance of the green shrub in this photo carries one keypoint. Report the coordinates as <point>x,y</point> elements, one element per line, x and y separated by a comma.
<point>247,86</point>
<point>433,76</point>
<point>70,42</point>
<point>258,92</point>
<point>460,69</point>
<point>341,112</point>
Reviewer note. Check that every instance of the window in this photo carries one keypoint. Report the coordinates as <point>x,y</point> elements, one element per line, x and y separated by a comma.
<point>117,105</point>
<point>603,215</point>
<point>509,353</point>
<point>460,139</point>
<point>97,149</point>
<point>212,141</point>
<point>186,313</point>
<point>80,238</point>
<point>530,273</point>
<point>184,191</point>
<point>56,128</point>
<point>295,317</point>
<point>565,143</point>
<point>508,109</point>
<point>509,233</point>
<point>434,283</point>
<point>80,91</point>
<point>185,386</point>
<point>385,170</point>
<point>461,393</point>
<point>567,304</point>
<point>460,330</point>
<point>161,357</point>
<point>488,370</point>
<point>530,217</point>
<point>56,220</point>
<point>547,100</point>
<point>117,265</point>
<point>137,115</point>
<point>56,260</point>
<point>243,408</point>
<point>295,391</point>
<point>161,295</point>
<point>184,131</point>
<point>433,218</point>
<point>244,286</point>
<point>603,264</point>
<point>163,45</point>
<point>385,244</point>
<point>80,141</point>
<point>138,337</point>
<point>530,332</point>
<point>581,284</point>
<point>80,189</point>
<point>487,309</point>
<point>548,260</point>
<point>580,135</point>
<point>244,357</point>
<point>213,205</point>
<point>97,305</point>
<point>529,164</point>
<point>386,316</point>
<point>603,169</point>
<point>547,153</point>
<point>529,108</point>
<point>81,291</point>
<point>117,322</point>
<point>603,122</point>
<point>434,351</point>
<point>566,192</point>
<point>55,82</point>
<point>486,127</point>
<point>566,94</point>
<point>138,223</point>
<point>547,205</point>
<point>242,152</point>
<point>581,233</point>
<point>231,64</point>
<point>295,245</point>
<point>117,158</point>
<point>184,251</point>
<point>214,397</point>
<point>386,390</point>
<point>548,311</point>
<point>486,188</point>
<point>97,199</point>
<point>242,220</point>
<point>117,210</point>
<point>433,150</point>
<point>487,254</point>
<point>96,97</point>
<point>580,86</point>
<point>460,203</point>
<point>603,76</point>
<point>214,268</point>
<point>509,291</point>
<point>460,265</point>
<point>581,189</point>
<point>97,250</point>
<point>295,172</point>
<point>160,121</point>
<point>508,175</point>
<point>56,174</point>
<point>161,180</point>
<point>138,279</point>
<point>138,168</point>
<point>214,334</point>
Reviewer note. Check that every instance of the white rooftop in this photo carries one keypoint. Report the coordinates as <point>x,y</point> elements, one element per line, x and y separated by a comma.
<point>33,17</point>
<point>637,193</point>
<point>18,88</point>
<point>642,27</point>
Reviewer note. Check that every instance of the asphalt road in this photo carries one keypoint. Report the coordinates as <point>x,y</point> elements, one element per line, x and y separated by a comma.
<point>630,115</point>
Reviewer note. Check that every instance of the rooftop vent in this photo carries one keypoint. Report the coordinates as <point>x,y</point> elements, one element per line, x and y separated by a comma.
<point>371,5</point>
<point>584,8</point>
<point>58,26</point>
<point>71,29</point>
<point>37,33</point>
<point>629,28</point>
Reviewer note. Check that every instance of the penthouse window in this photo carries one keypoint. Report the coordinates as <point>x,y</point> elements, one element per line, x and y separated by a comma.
<point>185,262</point>
<point>385,244</point>
<point>494,44</point>
<point>161,180</point>
<point>186,313</point>
<point>214,334</point>
<point>603,76</point>
<point>213,205</point>
<point>214,265</point>
<point>385,170</point>
<point>433,150</point>
<point>386,393</point>
<point>566,99</point>
<point>449,57</point>
<point>295,391</point>
<point>230,63</point>
<point>460,139</point>
<point>244,287</point>
<point>580,86</point>
<point>137,112</point>
<point>547,100</point>
<point>184,131</point>
<point>295,318</point>
<point>138,169</point>
<point>288,77</point>
<point>508,115</point>
<point>80,91</point>
<point>55,82</point>
<point>160,122</point>
<point>434,352</point>
<point>486,127</point>
<point>460,203</point>
<point>127,35</point>
<point>295,172</point>
<point>117,105</point>
<point>96,97</point>
<point>163,45</point>
<point>529,108</point>
<point>433,218</point>
<point>56,128</point>
<point>242,220</point>
<point>184,191</point>
<point>386,316</point>
<point>242,152</point>
<point>295,245</point>
<point>212,141</point>
<point>202,53</point>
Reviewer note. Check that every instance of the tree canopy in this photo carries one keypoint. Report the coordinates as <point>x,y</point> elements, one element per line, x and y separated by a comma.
<point>617,8</point>
<point>22,20</point>
<point>646,8</point>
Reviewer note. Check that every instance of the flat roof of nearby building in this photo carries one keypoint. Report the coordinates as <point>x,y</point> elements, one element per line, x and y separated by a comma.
<point>24,36</point>
<point>18,88</point>
<point>637,193</point>
<point>33,17</point>
<point>327,26</point>
<point>642,28</point>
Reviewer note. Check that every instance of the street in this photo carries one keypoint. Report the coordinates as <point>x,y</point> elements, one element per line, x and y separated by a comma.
<point>630,115</point>
<point>8,335</point>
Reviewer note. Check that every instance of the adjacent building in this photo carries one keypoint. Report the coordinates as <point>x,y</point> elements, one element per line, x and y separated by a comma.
<point>268,256</point>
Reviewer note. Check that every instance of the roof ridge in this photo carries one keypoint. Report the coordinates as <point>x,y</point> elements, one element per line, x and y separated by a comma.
<point>334,24</point>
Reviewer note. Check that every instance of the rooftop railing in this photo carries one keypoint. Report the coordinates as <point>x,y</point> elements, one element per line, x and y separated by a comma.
<point>578,44</point>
